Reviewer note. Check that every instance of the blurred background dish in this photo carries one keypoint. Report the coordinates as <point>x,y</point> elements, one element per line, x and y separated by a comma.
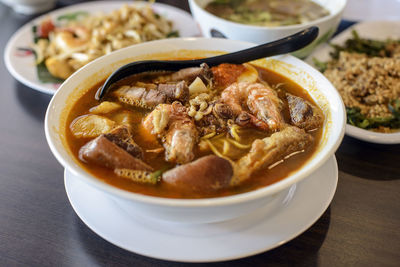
<point>213,26</point>
<point>361,10</point>
<point>30,7</point>
<point>373,30</point>
<point>20,58</point>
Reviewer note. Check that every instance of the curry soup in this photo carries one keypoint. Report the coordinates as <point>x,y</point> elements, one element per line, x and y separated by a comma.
<point>134,117</point>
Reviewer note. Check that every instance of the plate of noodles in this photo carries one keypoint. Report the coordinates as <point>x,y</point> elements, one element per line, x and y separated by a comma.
<point>47,50</point>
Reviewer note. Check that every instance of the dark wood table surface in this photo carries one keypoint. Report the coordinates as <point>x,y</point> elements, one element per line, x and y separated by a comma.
<point>38,226</point>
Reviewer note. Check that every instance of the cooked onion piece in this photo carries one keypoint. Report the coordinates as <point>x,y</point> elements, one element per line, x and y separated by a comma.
<point>90,126</point>
<point>105,107</point>
<point>250,75</point>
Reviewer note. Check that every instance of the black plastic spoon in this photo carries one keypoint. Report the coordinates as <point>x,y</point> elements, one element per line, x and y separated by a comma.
<point>282,46</point>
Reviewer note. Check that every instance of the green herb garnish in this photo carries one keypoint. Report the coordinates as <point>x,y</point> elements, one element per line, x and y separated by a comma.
<point>173,34</point>
<point>73,16</point>
<point>45,76</point>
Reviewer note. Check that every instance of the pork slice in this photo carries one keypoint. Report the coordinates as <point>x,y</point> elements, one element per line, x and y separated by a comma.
<point>102,151</point>
<point>206,174</point>
<point>303,114</point>
<point>122,137</point>
<point>267,151</point>
<point>189,74</point>
<point>139,96</point>
<point>175,91</point>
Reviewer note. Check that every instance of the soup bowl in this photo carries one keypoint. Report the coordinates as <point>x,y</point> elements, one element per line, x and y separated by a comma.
<point>194,210</point>
<point>214,26</point>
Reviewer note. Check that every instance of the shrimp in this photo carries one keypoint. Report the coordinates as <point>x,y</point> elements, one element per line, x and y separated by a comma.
<point>172,124</point>
<point>261,100</point>
<point>72,38</point>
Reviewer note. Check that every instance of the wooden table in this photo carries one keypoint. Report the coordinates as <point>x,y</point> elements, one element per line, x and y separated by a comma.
<point>38,227</point>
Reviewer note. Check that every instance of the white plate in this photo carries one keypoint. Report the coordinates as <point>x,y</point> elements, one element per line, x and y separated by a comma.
<point>23,67</point>
<point>379,30</point>
<point>237,238</point>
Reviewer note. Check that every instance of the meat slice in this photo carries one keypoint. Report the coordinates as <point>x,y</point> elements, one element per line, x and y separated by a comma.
<point>176,129</point>
<point>102,151</point>
<point>175,91</point>
<point>265,152</point>
<point>122,137</point>
<point>189,74</point>
<point>150,96</point>
<point>303,114</point>
<point>139,96</point>
<point>204,175</point>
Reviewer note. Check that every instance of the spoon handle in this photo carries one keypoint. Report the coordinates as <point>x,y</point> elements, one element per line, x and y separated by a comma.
<point>282,46</point>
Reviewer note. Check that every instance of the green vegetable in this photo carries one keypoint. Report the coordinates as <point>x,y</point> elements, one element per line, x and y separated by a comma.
<point>321,66</point>
<point>356,44</point>
<point>354,117</point>
<point>73,16</point>
<point>42,72</point>
<point>173,34</point>
<point>45,76</point>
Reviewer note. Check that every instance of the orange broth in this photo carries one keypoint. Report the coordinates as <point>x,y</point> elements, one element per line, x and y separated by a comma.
<point>260,179</point>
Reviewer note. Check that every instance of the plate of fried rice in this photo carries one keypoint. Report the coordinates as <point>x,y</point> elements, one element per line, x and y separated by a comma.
<point>363,63</point>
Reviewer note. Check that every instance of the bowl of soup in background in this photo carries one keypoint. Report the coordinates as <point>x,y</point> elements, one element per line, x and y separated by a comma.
<point>214,26</point>
<point>207,209</point>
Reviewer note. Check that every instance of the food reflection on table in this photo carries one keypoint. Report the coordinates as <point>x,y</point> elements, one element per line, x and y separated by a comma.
<point>197,132</point>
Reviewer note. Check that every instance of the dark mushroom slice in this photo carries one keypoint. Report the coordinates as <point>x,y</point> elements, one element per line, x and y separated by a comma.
<point>303,114</point>
<point>204,175</point>
<point>102,151</point>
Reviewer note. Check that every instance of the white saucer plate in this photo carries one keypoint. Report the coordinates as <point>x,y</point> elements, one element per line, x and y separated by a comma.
<point>23,68</point>
<point>378,30</point>
<point>245,236</point>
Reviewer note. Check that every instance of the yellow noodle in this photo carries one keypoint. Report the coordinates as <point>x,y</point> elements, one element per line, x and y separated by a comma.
<point>207,136</point>
<point>225,147</point>
<point>215,150</point>
<point>234,132</point>
<point>238,145</point>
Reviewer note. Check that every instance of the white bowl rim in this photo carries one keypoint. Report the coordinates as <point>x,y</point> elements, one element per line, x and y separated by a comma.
<point>285,27</point>
<point>371,136</point>
<point>203,202</point>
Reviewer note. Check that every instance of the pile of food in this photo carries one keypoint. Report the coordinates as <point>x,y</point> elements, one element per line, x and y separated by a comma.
<point>73,40</point>
<point>267,12</point>
<point>197,132</point>
<point>367,75</point>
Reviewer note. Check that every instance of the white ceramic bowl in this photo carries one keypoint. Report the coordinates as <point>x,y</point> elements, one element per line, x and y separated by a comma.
<point>259,34</point>
<point>195,210</point>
